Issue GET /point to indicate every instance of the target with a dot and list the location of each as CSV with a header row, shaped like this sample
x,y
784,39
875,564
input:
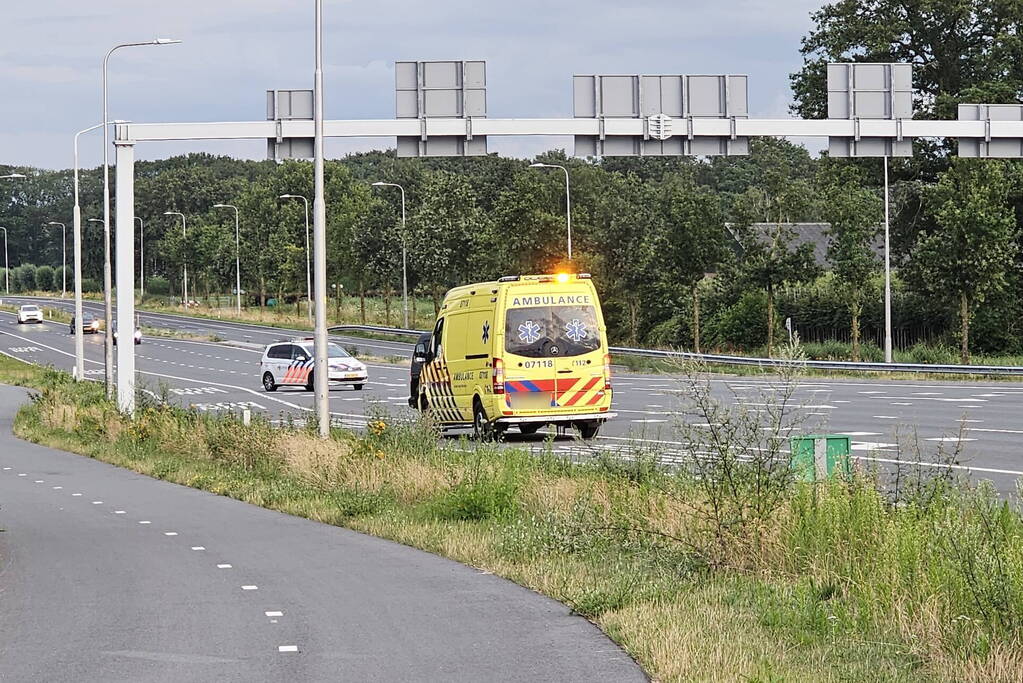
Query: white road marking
x,y
22,474
223,566
97,502
871,392
927,393
6,468
885,417
999,431
118,512
902,404
145,521
76,494
870,446
837,401
946,439
287,648
940,465
274,614
198,547
170,533
39,481
57,488
963,419
250,588
859,433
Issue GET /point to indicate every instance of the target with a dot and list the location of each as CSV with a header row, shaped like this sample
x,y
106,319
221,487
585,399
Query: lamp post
x,y
63,257
142,258
107,275
308,266
568,201
7,265
237,253
404,251
184,261
887,275
76,238
7,268
320,383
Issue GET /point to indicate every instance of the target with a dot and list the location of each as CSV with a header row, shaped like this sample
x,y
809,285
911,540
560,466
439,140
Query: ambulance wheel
x,y
482,428
528,428
268,382
588,430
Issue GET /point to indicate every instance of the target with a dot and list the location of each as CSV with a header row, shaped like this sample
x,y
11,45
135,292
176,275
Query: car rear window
x,y
551,331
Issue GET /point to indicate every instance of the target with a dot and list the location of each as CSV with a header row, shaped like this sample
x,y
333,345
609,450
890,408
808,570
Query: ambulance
x,y
525,351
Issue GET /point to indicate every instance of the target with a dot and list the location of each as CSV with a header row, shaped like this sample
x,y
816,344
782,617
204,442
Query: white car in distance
x,y
291,364
29,313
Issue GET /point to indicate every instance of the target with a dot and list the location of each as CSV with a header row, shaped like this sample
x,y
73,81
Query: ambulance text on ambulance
x,y
578,300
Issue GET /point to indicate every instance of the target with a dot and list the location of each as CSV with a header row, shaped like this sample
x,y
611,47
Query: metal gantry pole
x,y
887,274
126,276
237,253
107,276
320,378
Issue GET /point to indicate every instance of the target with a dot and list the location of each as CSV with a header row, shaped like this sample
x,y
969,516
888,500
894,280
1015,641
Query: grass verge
x,y
837,583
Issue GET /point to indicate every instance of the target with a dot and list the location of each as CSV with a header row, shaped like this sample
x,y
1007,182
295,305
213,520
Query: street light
x,y
107,275
63,257
76,238
404,250
184,262
568,201
237,252
142,258
308,266
7,266
320,378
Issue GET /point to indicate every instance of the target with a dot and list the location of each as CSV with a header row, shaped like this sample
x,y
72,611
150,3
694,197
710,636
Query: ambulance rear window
x,y
551,331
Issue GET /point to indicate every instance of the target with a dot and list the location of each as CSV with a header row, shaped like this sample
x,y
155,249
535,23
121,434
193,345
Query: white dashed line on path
x,y
198,547
97,502
39,481
859,433
287,648
170,533
145,521
250,588
274,614
947,439
118,512
885,417
76,494
57,488
223,566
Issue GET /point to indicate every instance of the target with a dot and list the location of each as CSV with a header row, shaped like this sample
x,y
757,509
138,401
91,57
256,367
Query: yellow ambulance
x,y
524,351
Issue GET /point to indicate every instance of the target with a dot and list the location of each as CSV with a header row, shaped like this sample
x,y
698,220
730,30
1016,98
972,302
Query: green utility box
x,y
816,457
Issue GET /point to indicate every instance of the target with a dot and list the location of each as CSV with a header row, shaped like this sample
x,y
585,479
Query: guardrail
x,y
720,359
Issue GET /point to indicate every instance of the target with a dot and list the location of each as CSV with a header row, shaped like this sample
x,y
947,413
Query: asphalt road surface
x,y
219,377
106,575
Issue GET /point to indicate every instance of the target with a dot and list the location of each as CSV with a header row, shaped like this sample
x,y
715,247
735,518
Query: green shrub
x,y
157,286
44,279
25,277
91,285
742,325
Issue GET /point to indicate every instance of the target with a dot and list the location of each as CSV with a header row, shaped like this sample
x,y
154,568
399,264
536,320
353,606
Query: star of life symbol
x,y
529,332
576,330
486,331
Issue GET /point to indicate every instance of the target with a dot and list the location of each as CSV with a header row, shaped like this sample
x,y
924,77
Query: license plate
x,y
352,375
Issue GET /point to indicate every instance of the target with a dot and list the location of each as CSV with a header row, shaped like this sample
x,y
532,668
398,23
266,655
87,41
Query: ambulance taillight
x,y
607,371
498,376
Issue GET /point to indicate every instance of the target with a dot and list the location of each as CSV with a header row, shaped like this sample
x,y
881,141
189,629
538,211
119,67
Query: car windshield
x,y
333,351
30,309
551,331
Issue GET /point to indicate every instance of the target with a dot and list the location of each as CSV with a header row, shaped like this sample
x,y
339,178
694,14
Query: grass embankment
x,y
833,583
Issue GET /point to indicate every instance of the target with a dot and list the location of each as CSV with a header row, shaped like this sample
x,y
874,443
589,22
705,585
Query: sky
x,y
51,52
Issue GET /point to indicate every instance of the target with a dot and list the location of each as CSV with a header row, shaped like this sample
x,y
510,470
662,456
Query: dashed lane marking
x,y
274,614
948,439
57,488
145,521
250,588
859,433
118,512
223,566
97,502
287,648
170,533
198,547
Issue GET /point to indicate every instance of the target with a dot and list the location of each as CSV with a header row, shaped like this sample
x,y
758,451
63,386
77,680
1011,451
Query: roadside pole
x,y
320,378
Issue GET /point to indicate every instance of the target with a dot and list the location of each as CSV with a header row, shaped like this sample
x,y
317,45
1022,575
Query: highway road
x,y
218,376
106,575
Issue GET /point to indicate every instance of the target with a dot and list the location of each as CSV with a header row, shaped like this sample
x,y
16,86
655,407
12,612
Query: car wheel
x,y
529,427
309,385
588,430
357,387
268,382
